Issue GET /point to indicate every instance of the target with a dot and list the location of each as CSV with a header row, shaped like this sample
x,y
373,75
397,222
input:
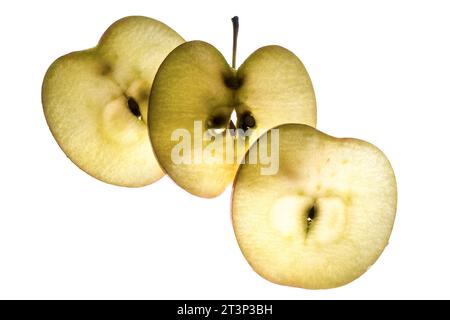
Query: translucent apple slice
x,y
323,218
95,101
196,86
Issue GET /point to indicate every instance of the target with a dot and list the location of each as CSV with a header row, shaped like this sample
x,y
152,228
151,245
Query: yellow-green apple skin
x,y
87,97
195,83
324,218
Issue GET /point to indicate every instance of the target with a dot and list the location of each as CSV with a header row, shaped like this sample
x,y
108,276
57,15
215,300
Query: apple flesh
x,y
196,84
95,101
324,218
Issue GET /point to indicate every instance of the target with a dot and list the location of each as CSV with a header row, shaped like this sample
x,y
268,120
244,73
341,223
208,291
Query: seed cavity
x,y
311,215
233,121
247,121
233,82
133,106
217,121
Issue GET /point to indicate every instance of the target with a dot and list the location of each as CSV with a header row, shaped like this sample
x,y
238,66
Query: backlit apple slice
x,y
196,85
324,218
95,101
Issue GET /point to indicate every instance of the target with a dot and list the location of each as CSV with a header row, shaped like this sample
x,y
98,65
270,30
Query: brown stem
x,y
235,21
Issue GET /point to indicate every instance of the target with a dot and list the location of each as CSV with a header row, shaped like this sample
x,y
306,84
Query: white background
x,y
381,72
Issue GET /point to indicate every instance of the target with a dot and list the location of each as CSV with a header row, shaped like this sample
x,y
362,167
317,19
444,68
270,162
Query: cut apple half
x,y
95,101
324,218
196,85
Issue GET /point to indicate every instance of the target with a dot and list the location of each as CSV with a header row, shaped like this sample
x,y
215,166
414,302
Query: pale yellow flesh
x,y
191,86
353,188
85,94
276,88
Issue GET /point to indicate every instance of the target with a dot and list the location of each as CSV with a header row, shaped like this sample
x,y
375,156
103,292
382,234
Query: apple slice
x,y
95,101
195,84
324,218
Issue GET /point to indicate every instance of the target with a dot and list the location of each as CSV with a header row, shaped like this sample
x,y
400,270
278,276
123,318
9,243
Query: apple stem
x,y
235,21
